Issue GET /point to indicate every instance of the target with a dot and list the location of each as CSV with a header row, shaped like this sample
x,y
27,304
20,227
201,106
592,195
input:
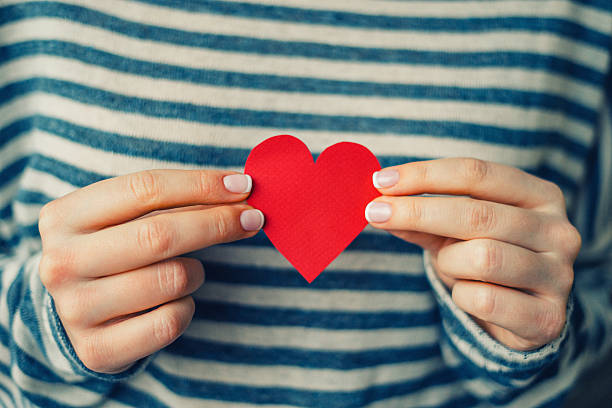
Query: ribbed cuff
x,y
474,344
59,333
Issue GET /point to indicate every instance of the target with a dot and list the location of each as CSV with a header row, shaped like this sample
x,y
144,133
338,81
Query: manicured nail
x,y
378,212
252,220
385,178
238,183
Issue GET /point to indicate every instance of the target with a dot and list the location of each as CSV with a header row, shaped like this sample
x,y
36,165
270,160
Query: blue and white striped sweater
x,y
93,89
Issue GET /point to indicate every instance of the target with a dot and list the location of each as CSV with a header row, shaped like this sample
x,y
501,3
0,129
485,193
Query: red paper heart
x,y
313,210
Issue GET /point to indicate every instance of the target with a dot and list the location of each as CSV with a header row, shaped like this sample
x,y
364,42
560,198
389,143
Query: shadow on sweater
x,y
594,389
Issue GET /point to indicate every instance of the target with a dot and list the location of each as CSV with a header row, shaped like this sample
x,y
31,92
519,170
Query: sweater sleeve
x,y
36,355
37,360
498,374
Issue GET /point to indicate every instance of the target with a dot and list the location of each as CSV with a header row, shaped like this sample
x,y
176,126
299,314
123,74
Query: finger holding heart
x,y
499,238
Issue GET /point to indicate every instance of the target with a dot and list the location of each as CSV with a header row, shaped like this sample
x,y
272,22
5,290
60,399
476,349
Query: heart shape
x,y
313,210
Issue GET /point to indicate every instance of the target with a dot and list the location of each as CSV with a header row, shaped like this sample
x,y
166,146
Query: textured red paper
x,y
313,210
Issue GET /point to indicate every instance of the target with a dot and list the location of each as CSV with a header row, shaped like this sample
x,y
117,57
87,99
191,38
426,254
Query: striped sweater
x,y
91,89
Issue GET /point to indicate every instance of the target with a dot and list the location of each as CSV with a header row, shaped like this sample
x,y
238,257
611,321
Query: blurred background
x,y
594,390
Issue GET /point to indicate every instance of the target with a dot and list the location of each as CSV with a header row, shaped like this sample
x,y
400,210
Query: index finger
x,y
472,177
120,199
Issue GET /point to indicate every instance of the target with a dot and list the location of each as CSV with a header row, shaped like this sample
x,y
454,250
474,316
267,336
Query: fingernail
x,y
251,220
238,183
378,212
385,178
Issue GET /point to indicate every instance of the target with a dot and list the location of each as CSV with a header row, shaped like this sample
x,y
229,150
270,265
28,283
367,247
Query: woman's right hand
x,y
110,257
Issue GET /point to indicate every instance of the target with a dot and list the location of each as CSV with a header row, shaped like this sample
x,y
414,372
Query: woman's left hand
x,y
506,251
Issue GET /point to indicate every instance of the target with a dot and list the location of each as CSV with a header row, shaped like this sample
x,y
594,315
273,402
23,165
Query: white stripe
x,y
147,384
5,355
512,117
508,40
55,361
595,18
45,183
114,43
319,379
10,271
432,396
15,394
62,393
347,261
307,338
26,214
319,300
247,137
7,193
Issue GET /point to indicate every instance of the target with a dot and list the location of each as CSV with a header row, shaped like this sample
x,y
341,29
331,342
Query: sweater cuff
x,y
483,352
65,346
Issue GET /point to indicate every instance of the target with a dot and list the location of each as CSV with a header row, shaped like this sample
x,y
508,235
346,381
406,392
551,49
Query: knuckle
x,y
484,302
475,170
488,259
144,186
421,173
555,193
568,238
54,268
204,184
414,212
72,309
480,217
48,218
173,277
155,235
94,352
551,323
566,279
168,326
222,223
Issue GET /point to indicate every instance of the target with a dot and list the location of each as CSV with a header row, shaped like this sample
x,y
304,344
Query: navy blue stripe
x,y
601,4
6,370
273,356
212,155
547,172
73,175
9,395
30,319
6,212
199,155
297,397
290,278
134,397
10,132
42,401
299,84
185,153
32,197
288,120
277,316
13,297
537,24
5,337
35,369
305,49
28,231
12,170
123,393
